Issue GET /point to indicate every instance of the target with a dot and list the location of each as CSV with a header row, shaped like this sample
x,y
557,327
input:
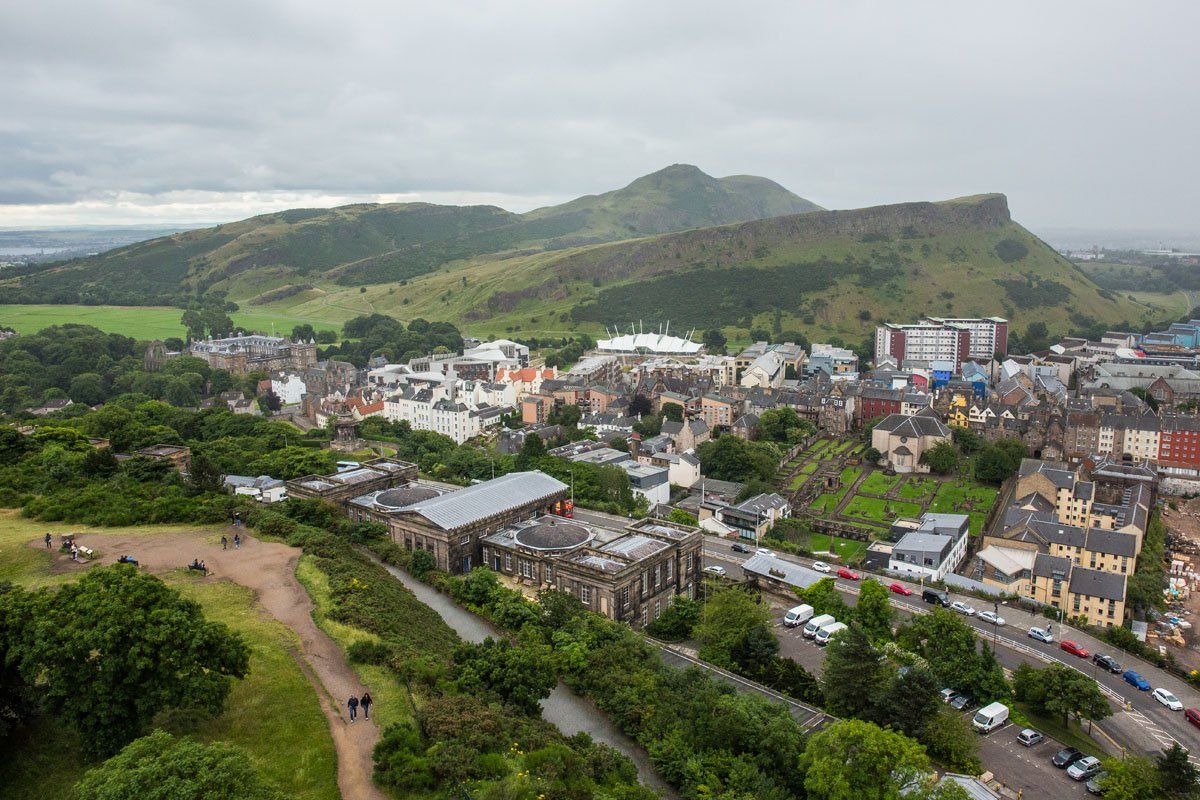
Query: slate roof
x,y
483,500
1045,566
919,425
1095,583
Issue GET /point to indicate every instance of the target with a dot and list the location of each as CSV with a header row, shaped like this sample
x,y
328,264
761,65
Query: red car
x,y
1074,649
1193,716
900,588
848,574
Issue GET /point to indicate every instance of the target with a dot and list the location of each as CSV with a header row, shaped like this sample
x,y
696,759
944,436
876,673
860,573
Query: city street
x,y
1148,725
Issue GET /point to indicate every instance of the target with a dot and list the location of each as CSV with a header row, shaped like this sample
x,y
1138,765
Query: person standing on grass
x,y
47,541
352,704
224,542
365,702
237,541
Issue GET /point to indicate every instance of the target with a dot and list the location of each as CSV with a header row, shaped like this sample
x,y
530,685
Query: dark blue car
x,y
1134,679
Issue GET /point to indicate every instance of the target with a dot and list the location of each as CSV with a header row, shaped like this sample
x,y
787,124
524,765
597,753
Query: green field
x,y
845,549
273,713
884,511
149,322
879,483
918,488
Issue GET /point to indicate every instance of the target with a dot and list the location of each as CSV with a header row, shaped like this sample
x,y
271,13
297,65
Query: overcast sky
x,y
1085,114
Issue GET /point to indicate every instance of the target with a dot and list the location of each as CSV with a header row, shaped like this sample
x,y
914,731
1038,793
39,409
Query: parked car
x,y
848,574
936,598
714,569
1167,699
1041,634
1066,757
962,702
962,608
901,589
762,551
1074,648
1084,768
1107,663
1192,715
1096,784
992,617
738,547
821,566
1029,737
948,694
1135,679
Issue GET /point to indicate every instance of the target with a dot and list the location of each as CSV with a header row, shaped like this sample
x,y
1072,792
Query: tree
x,y
824,597
87,388
997,462
966,440
1176,775
113,649
873,612
784,425
533,449
1072,695
202,472
856,675
303,332
326,337
1130,778
270,402
856,760
950,648
671,411
714,341
732,459
640,404
194,323
727,618
676,622
162,767
910,702
942,458
949,738
519,675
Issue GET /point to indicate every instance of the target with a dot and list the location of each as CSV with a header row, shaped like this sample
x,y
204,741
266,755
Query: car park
x,y
962,608
1192,715
848,574
1096,784
1167,699
1074,648
1029,737
1135,679
901,589
1041,634
1107,663
714,569
962,702
1066,757
738,547
821,566
1084,768
992,617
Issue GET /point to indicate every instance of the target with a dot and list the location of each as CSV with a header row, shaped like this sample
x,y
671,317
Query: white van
x,y
816,623
990,717
829,631
798,616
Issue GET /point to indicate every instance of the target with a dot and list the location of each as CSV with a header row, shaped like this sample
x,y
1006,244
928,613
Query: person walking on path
x,y
224,542
47,540
352,704
365,702
237,541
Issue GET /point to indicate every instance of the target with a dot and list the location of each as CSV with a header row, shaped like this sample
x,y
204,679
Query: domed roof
x,y
553,535
404,496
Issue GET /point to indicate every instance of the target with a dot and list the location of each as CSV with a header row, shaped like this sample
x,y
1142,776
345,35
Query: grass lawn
x,y
144,322
879,483
918,488
884,511
826,502
797,481
849,476
818,447
952,497
845,549
810,468
273,713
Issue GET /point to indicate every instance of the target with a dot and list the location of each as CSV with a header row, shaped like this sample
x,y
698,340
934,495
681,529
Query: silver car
x,y
992,617
1083,769
962,608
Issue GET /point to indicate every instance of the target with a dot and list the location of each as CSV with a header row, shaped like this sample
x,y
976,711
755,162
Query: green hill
x,y
281,254
827,273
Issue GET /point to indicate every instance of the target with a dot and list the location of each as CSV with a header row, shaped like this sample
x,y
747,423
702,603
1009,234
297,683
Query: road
x,y
1147,725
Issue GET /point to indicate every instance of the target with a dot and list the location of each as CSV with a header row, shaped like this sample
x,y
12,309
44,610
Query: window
x,y
585,595
1075,605
657,606
645,616
508,561
669,566
526,569
625,597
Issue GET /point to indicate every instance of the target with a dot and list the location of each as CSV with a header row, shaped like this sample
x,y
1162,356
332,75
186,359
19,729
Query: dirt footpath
x,y
269,570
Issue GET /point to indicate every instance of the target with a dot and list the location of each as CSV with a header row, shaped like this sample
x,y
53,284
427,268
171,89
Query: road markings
x,y
1158,734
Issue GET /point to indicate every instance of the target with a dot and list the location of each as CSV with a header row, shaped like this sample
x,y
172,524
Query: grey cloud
x,y
1082,112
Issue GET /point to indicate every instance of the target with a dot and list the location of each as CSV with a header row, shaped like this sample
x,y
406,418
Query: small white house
x,y
288,388
933,548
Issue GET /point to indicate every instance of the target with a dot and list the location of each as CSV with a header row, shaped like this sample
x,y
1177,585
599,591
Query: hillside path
x,y
269,570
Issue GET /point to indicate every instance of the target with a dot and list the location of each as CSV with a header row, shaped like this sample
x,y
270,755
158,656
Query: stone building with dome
x,y
628,575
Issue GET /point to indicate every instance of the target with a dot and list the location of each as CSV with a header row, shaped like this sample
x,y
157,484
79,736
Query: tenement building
x,y
627,575
239,355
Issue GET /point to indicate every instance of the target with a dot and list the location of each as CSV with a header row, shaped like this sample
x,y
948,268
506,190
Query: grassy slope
x,y
444,295
156,322
273,713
